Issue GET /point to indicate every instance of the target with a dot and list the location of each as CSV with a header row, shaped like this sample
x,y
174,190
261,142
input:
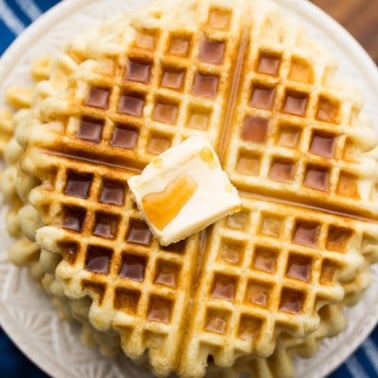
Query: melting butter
x,y
162,207
183,191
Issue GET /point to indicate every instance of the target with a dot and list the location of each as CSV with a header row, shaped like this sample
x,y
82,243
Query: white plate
x,y
26,313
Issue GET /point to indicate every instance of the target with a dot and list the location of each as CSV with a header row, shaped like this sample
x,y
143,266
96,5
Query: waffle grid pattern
x,y
114,189
168,86
110,254
310,125
139,119
243,305
247,252
79,309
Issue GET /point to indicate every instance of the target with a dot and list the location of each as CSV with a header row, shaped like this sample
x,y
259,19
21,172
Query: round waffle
x,y
25,221
289,137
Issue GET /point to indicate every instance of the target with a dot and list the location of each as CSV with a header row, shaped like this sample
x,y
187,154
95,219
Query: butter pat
x,y
183,191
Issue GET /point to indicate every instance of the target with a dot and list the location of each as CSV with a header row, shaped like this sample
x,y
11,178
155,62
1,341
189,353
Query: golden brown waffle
x,y
23,221
148,81
280,364
297,136
42,265
244,258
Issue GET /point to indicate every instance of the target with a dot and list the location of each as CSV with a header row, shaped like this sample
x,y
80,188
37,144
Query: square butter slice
x,y
183,191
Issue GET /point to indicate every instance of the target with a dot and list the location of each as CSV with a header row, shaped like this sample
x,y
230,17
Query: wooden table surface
x,y
359,17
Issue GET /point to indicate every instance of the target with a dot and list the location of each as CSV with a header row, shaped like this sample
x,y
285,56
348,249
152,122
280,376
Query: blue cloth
x,y
15,15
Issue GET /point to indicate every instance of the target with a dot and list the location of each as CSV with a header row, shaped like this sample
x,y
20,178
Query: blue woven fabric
x,y
15,16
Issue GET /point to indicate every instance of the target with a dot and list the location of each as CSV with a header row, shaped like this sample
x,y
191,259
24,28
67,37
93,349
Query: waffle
x,y
24,253
279,364
23,221
126,92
